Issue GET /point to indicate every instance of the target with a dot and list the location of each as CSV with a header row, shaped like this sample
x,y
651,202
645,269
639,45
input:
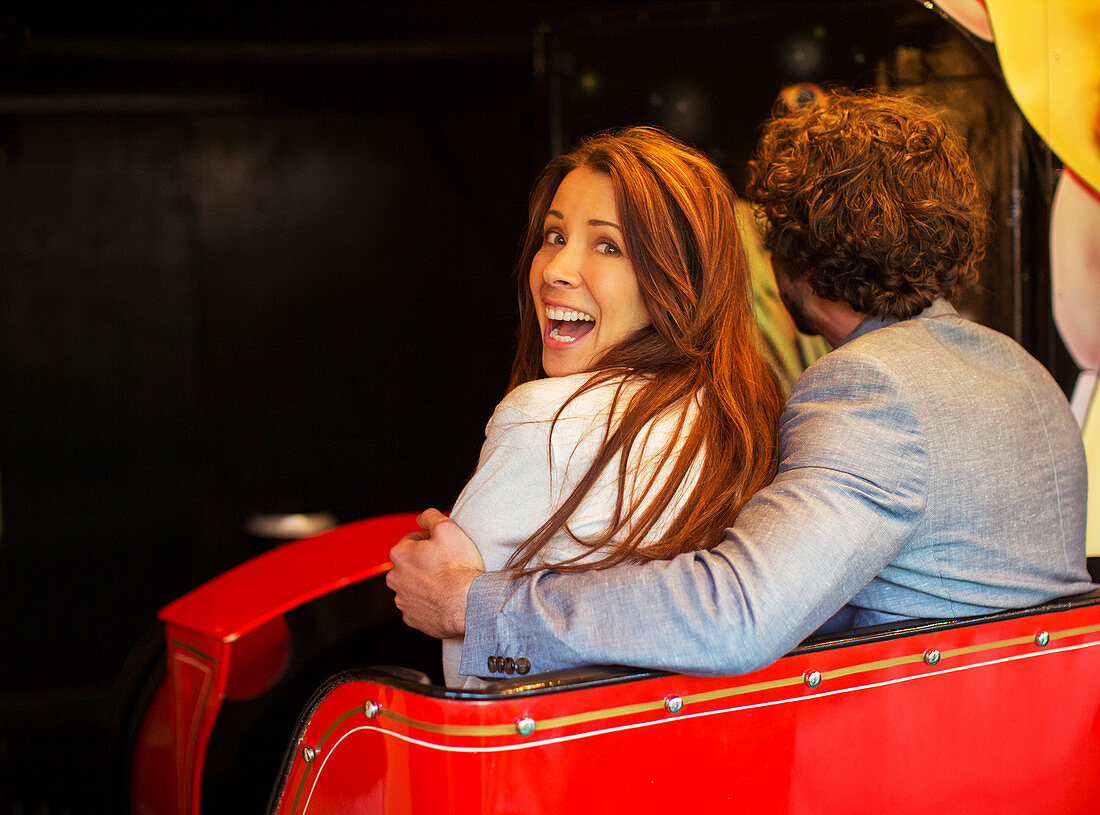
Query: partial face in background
x,y
797,298
584,288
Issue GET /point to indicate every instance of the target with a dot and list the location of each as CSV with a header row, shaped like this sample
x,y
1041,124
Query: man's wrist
x,y
484,602
457,615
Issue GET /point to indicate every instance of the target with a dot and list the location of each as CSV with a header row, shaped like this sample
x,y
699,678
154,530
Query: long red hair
x,y
702,345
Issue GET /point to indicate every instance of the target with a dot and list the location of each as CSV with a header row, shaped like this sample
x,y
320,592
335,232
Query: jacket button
x,y
492,665
523,665
509,666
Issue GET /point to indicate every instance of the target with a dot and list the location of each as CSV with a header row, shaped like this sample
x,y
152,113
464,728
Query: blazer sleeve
x,y
850,490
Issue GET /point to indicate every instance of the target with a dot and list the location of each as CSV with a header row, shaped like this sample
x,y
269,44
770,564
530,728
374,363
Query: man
x,y
929,467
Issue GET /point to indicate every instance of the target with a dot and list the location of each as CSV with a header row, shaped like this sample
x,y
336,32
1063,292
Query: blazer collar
x,y
939,308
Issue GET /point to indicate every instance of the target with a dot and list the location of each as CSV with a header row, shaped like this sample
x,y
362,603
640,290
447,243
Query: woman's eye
x,y
608,248
552,236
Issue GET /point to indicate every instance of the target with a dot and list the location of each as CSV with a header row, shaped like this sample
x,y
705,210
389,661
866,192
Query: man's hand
x,y
431,575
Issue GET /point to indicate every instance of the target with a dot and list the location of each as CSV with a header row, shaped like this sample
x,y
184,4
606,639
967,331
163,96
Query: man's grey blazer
x,y
928,468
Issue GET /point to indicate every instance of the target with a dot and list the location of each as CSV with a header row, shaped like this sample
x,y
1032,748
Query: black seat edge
x,y
892,630
600,675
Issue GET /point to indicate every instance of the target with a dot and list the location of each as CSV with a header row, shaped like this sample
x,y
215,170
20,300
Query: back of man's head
x,y
873,198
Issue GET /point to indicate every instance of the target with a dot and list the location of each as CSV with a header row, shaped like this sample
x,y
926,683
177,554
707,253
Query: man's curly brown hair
x,y
873,198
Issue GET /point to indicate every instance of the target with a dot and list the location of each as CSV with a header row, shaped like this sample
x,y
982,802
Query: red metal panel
x,y
198,667
268,586
228,638
153,774
998,725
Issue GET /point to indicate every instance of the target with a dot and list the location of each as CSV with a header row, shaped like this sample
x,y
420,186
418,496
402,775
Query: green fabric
x,y
789,351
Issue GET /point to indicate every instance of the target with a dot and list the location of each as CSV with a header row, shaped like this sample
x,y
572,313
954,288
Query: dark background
x,y
262,260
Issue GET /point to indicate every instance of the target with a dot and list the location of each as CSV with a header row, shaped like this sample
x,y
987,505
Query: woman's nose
x,y
563,269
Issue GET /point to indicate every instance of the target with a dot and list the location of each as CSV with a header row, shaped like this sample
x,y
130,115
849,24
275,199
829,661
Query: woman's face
x,y
583,284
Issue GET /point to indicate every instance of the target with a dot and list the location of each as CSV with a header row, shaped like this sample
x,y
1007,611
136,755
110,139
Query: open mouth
x,y
568,325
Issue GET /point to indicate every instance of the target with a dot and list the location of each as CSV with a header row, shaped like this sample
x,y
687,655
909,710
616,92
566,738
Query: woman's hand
x,y
431,575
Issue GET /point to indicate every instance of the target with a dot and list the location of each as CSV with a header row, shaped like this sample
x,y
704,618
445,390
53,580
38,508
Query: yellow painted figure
x,y
1049,52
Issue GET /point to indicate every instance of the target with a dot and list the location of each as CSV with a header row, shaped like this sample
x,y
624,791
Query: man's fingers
x,y
429,519
431,575
406,546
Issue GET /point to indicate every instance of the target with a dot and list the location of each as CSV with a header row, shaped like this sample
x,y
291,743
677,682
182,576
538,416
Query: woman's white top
x,y
525,473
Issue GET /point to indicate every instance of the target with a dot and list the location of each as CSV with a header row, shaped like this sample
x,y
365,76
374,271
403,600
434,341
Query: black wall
x,y
279,277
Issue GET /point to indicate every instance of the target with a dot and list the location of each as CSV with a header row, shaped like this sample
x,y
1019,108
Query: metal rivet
x,y
308,754
931,656
812,678
372,708
525,726
1042,639
673,704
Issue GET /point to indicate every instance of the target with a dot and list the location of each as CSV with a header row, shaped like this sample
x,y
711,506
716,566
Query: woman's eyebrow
x,y
597,222
591,221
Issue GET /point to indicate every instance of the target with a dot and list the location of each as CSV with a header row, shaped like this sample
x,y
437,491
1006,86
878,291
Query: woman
x,y
640,415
